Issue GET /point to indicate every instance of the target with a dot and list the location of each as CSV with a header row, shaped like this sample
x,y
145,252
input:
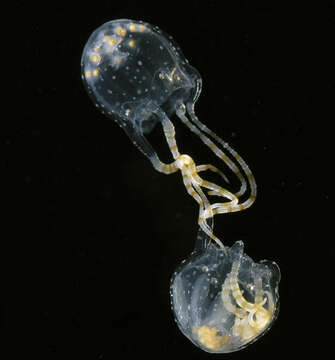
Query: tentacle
x,y
204,214
170,133
205,206
193,182
226,299
223,208
214,169
187,164
225,145
143,144
193,189
217,190
258,290
218,152
165,168
237,294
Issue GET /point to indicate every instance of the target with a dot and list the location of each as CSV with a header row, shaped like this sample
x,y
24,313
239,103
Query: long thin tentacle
x,y
193,182
225,145
214,169
218,152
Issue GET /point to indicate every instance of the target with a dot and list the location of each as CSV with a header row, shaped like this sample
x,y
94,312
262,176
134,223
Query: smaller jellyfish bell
x,y
222,300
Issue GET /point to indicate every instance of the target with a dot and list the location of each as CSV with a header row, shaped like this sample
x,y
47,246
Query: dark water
x,y
91,233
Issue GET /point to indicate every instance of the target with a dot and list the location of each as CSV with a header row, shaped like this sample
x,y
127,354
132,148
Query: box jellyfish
x,y
223,300
138,76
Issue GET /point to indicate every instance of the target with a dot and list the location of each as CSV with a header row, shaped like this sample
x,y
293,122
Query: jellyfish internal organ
x,y
139,77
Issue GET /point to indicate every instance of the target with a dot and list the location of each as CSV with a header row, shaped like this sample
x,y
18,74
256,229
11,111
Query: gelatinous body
x,y
133,71
224,301
138,76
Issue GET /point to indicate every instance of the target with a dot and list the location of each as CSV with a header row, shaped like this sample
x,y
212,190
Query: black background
x,y
92,233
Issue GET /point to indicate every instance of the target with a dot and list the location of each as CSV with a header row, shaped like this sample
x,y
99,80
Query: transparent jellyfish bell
x,y
218,310
133,72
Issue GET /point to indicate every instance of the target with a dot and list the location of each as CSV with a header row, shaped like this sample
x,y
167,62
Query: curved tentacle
x,y
218,152
237,293
214,169
225,145
193,182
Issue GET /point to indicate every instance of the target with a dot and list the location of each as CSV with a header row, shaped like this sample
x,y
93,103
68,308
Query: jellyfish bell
x,y
136,75
224,301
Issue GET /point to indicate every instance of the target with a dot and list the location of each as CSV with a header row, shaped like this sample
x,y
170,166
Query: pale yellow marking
x,y
188,186
229,208
209,337
244,304
95,58
106,38
225,158
234,285
142,28
212,146
174,147
121,31
88,74
168,169
131,43
95,72
97,49
111,42
132,27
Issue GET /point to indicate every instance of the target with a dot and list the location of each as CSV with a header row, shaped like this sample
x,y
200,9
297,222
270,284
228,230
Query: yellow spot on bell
x,y
88,74
132,43
132,27
121,31
95,72
95,58
111,42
